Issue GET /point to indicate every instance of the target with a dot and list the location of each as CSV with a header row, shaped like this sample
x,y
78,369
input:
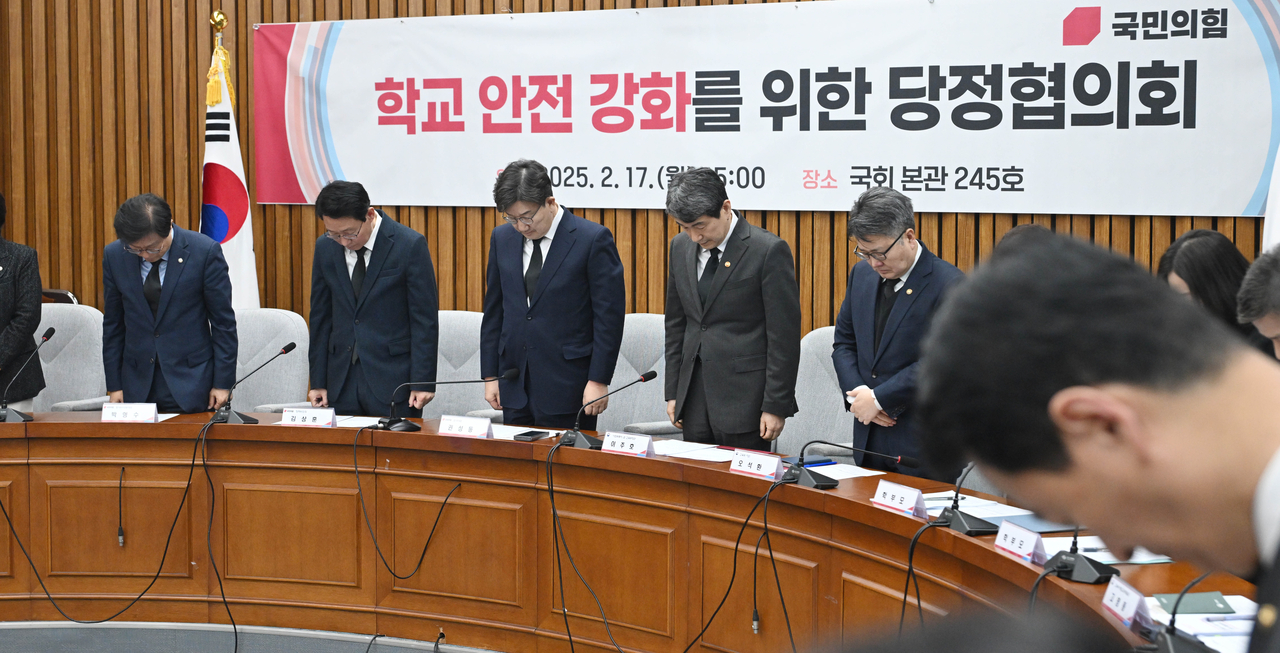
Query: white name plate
x,y
629,444
1021,543
1126,604
141,413
320,417
757,464
466,427
900,499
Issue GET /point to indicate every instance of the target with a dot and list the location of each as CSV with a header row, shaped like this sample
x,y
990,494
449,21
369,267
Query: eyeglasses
x,y
333,235
524,220
140,252
880,256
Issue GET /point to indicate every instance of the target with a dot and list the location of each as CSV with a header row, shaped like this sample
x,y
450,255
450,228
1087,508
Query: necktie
x,y
884,306
535,270
708,274
151,288
357,275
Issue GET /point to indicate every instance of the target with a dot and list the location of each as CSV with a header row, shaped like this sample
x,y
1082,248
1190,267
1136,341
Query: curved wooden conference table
x,y
654,537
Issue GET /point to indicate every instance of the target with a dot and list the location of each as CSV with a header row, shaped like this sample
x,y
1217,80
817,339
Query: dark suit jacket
x,y
193,334
890,370
395,323
570,332
20,314
1264,639
748,335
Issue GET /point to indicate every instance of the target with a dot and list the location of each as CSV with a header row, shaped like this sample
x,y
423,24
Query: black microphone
x,y
1170,640
576,438
804,477
394,423
8,414
962,522
224,414
1071,565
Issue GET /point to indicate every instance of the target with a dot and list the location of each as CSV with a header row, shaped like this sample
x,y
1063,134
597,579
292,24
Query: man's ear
x,y
1097,421
726,210
371,214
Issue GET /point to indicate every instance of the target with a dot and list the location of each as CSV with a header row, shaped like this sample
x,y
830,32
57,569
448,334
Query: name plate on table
x,y
141,413
466,427
1126,604
1021,543
630,444
757,464
309,417
900,499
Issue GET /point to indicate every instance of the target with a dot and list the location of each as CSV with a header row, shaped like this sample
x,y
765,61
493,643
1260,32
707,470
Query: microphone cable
x,y
558,539
733,574
168,540
773,562
355,456
912,577
208,539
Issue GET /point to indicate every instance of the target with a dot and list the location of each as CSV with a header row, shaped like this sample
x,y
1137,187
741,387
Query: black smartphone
x,y
530,436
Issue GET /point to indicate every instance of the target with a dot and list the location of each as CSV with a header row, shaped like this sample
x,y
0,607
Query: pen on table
x,y
1094,549
1229,617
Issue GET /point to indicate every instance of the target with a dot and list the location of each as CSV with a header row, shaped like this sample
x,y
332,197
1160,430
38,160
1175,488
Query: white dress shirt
x,y
545,245
1266,513
352,257
704,254
902,281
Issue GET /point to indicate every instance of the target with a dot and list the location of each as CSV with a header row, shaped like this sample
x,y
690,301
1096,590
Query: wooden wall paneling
x,y
947,240
1201,222
843,261
805,274
824,271
476,245
1162,235
1142,242
1101,230
986,235
657,260
1245,236
15,574
1224,226
1121,234
929,231
966,241
1181,225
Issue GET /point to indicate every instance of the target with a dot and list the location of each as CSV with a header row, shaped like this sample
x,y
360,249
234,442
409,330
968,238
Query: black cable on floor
x,y
185,491
371,640
120,509
1035,587
208,542
773,561
911,573
755,604
556,527
355,456
734,573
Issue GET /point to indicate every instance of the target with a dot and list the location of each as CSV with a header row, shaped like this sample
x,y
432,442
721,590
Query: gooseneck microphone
x,y
224,414
394,423
962,522
576,438
804,477
8,414
1170,640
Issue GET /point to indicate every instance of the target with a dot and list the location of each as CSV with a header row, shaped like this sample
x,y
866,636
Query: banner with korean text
x,y
1166,107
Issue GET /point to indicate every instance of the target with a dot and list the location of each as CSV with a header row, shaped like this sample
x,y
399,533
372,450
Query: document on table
x,y
504,432
710,453
996,512
677,447
1228,633
936,502
356,421
164,416
841,471
1100,553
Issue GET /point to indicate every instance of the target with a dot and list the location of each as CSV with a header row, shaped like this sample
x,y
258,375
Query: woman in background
x,y
19,317
1206,266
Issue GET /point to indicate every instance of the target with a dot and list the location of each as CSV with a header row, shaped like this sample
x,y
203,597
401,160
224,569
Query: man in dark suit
x,y
1258,302
168,329
733,320
553,306
373,309
891,296
20,314
1095,394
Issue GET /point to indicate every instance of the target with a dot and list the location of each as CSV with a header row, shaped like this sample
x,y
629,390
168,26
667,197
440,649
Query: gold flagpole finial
x,y
218,20
221,65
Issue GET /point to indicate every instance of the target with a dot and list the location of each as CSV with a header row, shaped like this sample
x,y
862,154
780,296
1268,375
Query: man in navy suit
x,y
553,307
891,297
374,312
168,329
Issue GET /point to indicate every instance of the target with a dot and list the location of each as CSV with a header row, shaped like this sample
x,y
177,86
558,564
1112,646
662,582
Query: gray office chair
x,y
458,360
641,408
822,415
72,359
261,333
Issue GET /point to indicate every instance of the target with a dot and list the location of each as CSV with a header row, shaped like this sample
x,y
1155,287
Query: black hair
x,y
1017,236
1050,314
1260,290
881,211
343,199
143,215
695,193
523,180
1212,268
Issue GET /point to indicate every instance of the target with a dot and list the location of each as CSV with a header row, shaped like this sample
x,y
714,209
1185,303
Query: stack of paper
x,y
1227,633
1093,547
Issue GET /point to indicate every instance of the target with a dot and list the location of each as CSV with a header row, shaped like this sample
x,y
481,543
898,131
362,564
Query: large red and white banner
x,y
1162,107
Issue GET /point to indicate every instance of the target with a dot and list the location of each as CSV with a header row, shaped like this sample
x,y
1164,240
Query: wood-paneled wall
x,y
103,99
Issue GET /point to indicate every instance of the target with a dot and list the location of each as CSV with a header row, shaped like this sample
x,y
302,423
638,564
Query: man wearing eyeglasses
x,y
733,320
553,306
168,329
373,309
891,297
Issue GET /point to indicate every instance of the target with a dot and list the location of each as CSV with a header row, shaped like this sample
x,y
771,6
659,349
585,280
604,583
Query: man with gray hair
x,y
733,320
890,299
1258,302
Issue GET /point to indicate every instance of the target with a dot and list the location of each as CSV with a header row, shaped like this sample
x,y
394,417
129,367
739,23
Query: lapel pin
x,y
726,264
179,260
908,291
